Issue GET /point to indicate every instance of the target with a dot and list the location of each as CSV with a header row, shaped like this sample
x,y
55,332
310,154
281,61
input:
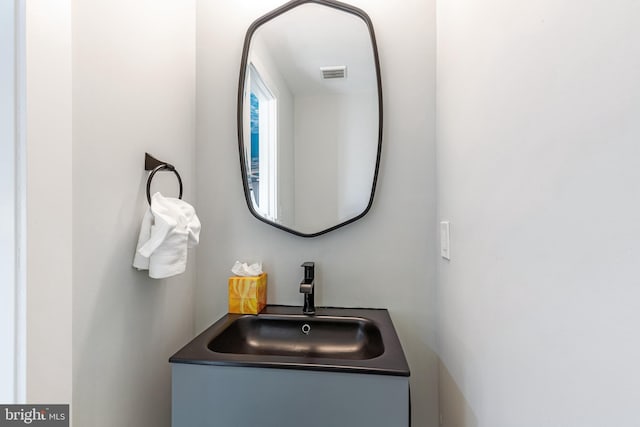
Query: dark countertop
x,y
391,362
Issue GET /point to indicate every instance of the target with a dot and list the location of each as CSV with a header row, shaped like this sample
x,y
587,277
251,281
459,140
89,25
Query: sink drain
x,y
306,329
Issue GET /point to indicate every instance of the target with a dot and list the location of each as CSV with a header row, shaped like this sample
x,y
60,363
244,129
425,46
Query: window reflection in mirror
x,y
263,167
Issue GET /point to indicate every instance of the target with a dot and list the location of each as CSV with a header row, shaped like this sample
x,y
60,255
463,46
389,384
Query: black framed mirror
x,y
310,116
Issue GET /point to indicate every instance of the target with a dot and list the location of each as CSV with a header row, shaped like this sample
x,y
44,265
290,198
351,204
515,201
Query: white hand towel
x,y
142,262
165,237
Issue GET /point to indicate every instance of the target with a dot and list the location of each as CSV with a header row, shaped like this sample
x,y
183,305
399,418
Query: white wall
x,y
383,260
7,200
356,159
350,143
48,201
133,91
316,200
538,173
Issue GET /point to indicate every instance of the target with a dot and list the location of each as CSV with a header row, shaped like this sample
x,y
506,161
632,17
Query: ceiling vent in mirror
x,y
335,72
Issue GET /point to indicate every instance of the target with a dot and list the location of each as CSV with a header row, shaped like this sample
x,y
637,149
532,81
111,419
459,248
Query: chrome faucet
x,y
306,288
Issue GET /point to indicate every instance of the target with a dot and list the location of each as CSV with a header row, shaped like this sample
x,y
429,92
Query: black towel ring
x,y
155,165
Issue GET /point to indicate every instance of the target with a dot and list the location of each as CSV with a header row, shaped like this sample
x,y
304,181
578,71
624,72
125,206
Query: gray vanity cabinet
x,y
238,396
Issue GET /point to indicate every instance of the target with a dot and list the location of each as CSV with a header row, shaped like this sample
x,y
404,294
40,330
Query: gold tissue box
x,y
247,294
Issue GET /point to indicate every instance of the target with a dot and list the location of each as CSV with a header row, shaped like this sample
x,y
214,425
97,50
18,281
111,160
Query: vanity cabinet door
x,y
224,396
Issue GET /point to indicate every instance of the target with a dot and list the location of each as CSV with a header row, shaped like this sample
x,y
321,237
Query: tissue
x,y
247,289
244,269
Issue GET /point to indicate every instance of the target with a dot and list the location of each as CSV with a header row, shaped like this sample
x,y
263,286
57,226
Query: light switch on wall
x,y
444,240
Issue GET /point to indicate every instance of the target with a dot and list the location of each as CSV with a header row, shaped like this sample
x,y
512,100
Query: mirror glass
x,y
309,116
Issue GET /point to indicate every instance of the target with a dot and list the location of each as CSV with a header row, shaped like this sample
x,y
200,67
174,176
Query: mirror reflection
x,y
309,116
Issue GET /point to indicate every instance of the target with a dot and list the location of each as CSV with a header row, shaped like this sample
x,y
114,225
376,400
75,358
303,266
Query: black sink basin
x,y
353,338
334,339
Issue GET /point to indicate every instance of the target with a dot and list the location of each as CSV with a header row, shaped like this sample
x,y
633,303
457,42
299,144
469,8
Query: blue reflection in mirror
x,y
254,166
